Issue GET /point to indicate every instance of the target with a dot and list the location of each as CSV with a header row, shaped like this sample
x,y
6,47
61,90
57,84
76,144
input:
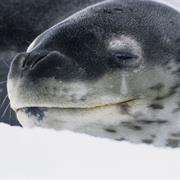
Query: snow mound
x,y
48,153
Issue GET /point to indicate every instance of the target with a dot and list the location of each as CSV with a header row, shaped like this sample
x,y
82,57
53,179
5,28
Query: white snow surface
x,y
41,153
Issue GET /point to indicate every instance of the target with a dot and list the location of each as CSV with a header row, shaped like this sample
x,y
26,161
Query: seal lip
x,y
80,108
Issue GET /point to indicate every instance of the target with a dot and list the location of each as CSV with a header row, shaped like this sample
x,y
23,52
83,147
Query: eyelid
x,y
125,54
124,59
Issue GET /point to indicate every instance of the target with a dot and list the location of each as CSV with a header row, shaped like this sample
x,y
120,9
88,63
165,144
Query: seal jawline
x,y
80,108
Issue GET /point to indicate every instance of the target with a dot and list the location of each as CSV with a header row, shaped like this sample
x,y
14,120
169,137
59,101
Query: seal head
x,y
110,70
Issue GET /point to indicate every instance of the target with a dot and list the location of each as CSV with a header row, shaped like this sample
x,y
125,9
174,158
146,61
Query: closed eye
x,y
124,59
125,56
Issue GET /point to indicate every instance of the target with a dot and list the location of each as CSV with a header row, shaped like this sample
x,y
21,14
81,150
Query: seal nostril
x,y
36,61
22,57
30,60
23,62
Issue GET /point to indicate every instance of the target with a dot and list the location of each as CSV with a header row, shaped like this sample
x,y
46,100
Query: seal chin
x,y
69,118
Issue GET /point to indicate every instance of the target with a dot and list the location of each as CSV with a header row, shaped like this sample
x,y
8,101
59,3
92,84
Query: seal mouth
x,y
79,108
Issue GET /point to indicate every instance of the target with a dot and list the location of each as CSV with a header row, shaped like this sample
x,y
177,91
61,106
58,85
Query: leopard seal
x,y
109,70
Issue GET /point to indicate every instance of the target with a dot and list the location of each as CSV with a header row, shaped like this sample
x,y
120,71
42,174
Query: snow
x,y
48,153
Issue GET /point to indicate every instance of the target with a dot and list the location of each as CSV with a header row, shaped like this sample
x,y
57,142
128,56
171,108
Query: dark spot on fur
x,y
130,125
175,87
107,11
153,136
157,87
118,9
176,110
176,71
36,111
146,122
83,99
176,134
161,121
138,128
169,94
126,123
178,40
166,63
73,98
169,68
156,106
125,108
110,130
134,127
131,9
172,23
147,141
172,143
121,139
64,89
114,10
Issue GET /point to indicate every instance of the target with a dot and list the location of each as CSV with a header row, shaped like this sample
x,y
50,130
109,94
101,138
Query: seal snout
x,y
29,61
41,64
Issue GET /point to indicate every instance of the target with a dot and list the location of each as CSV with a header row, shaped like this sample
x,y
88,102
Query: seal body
x,y
110,70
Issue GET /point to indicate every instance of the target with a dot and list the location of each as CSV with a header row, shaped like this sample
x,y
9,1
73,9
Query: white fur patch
x,y
124,86
125,42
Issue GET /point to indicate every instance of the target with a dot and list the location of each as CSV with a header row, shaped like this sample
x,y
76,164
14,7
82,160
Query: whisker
x,y
29,42
4,100
10,113
4,113
3,82
7,65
